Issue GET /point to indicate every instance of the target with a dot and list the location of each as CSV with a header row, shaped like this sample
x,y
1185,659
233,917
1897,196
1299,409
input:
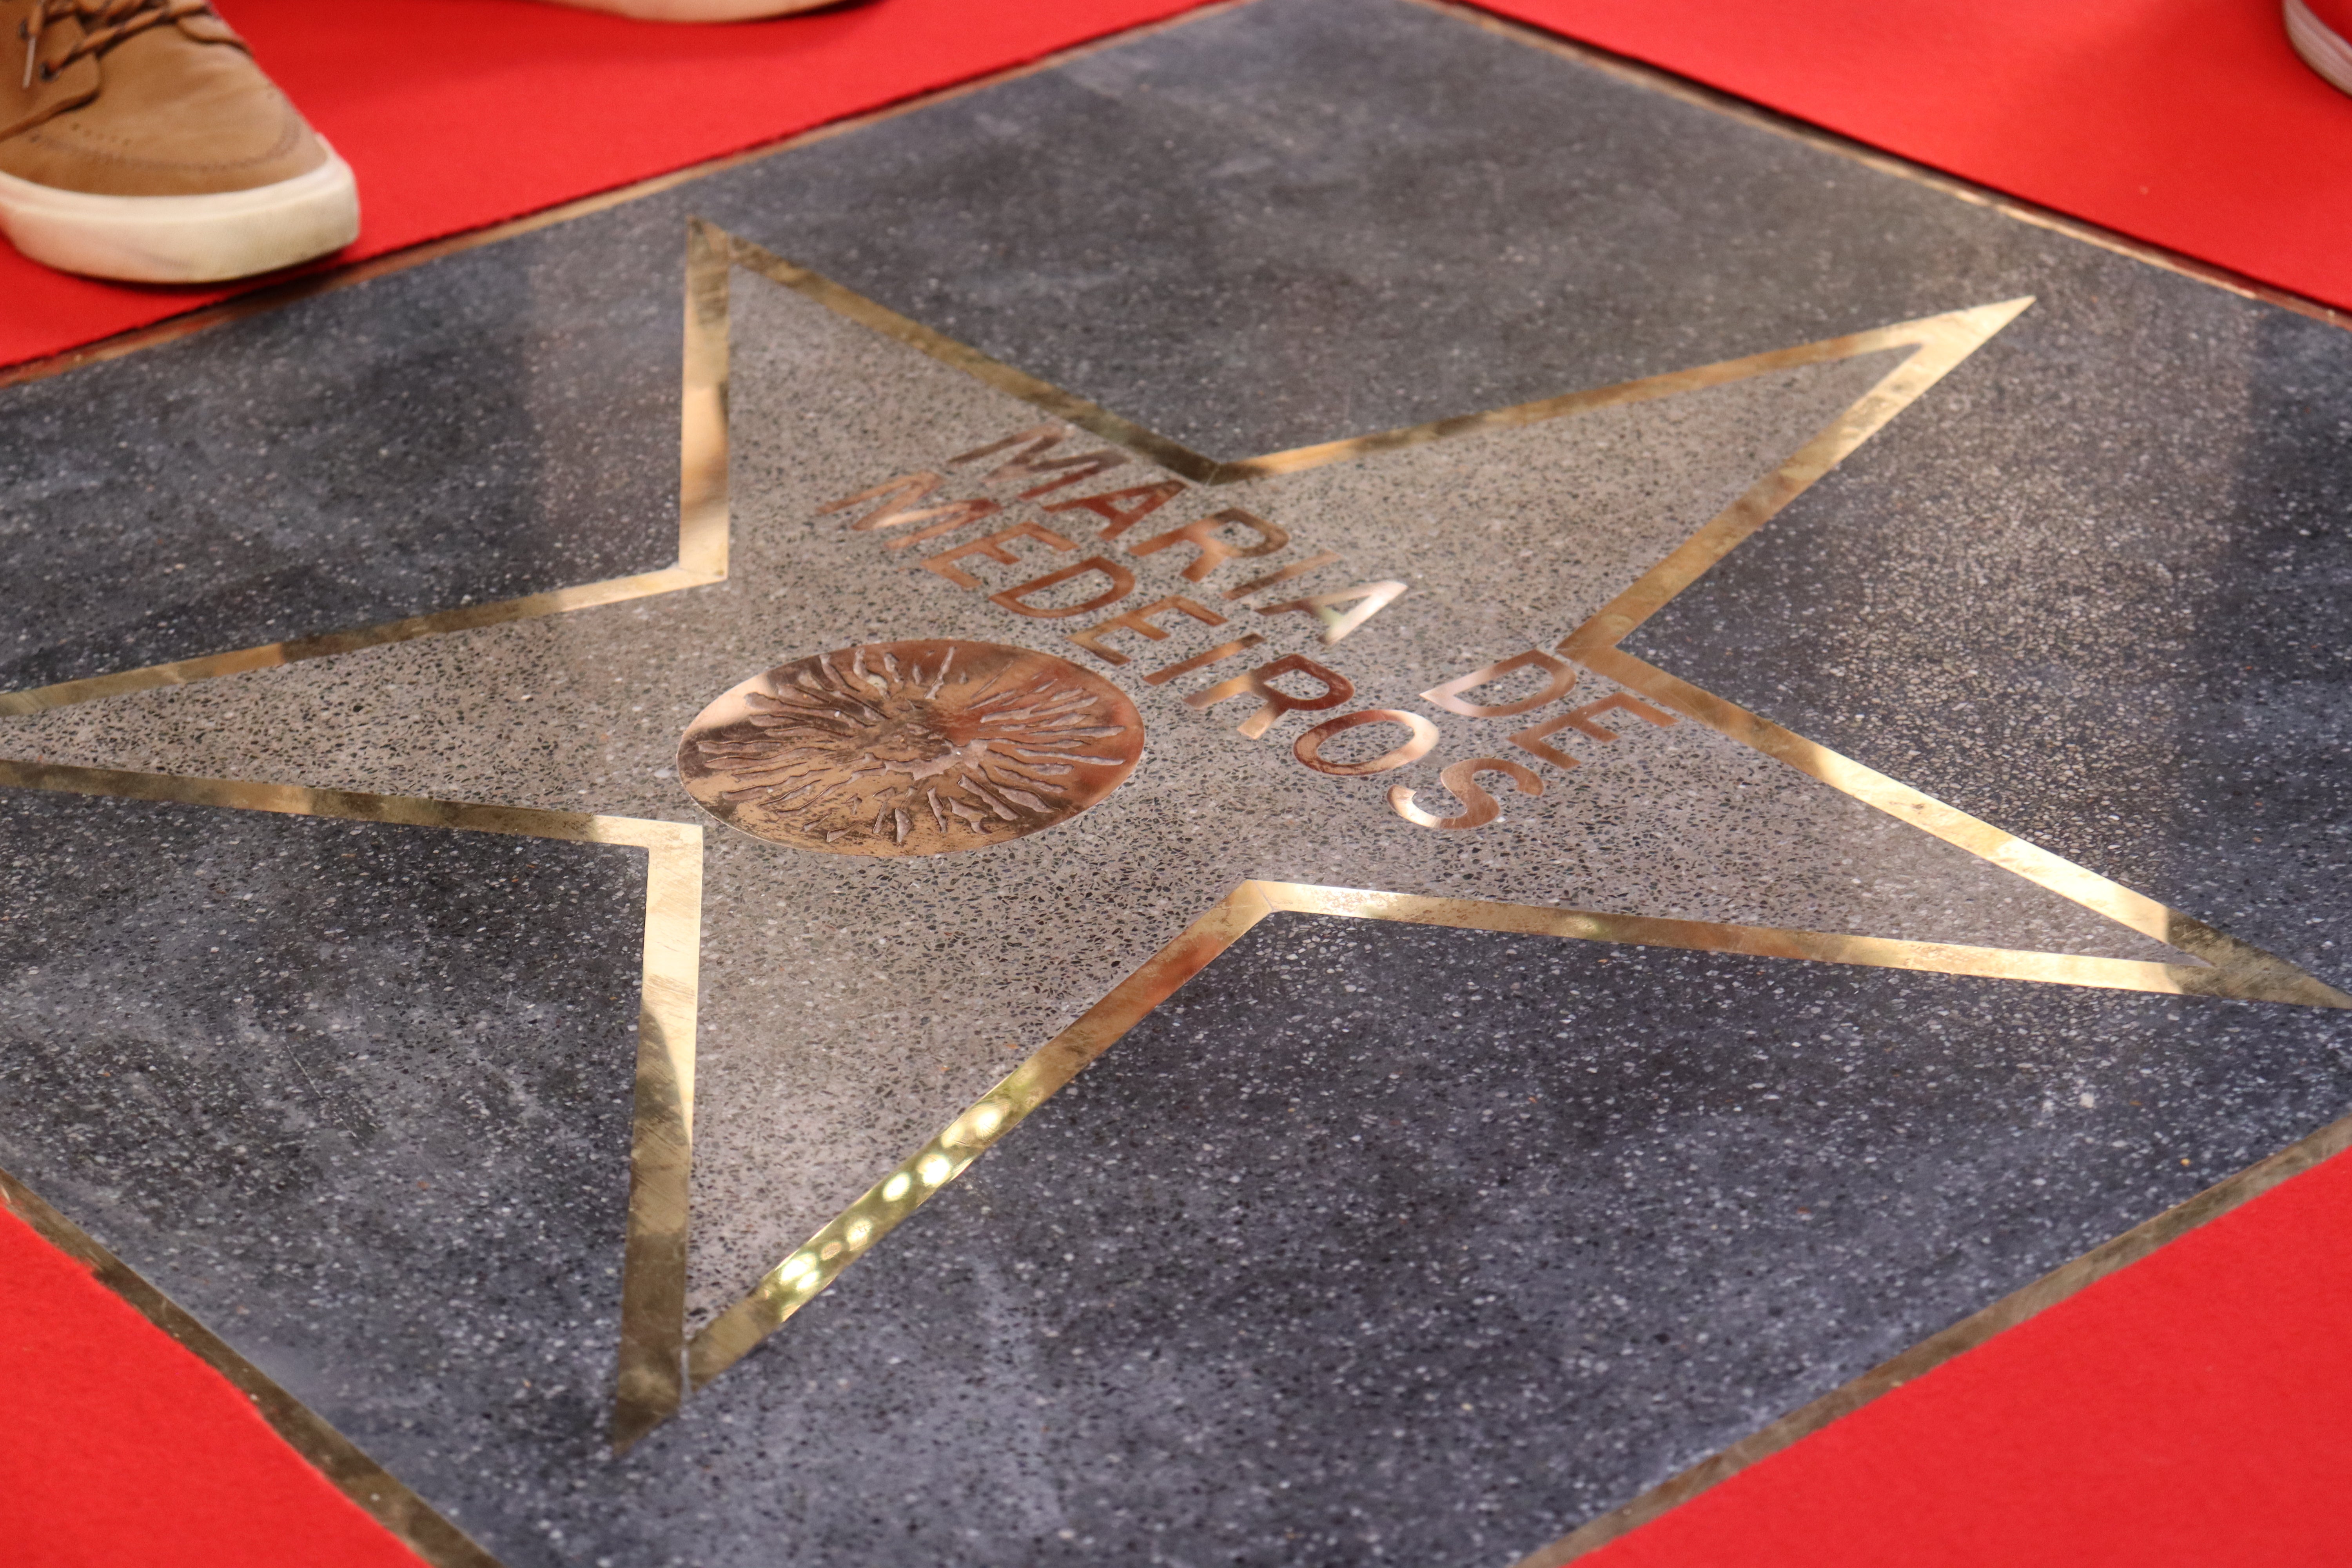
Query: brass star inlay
x,y
1236,687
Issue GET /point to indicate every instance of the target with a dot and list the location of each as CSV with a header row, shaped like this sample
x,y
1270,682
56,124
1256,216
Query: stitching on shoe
x,y
85,144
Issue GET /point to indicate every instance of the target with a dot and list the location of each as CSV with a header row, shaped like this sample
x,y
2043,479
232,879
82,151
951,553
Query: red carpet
x,y
2187,1412
458,113
117,1446
2187,123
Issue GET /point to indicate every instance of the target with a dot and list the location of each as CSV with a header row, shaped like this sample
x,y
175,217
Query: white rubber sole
x,y
185,239
2321,49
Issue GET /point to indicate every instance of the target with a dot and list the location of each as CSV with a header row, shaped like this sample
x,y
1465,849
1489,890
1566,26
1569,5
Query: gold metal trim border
x,y
2232,968
649,1382
2239,969
817,1262
1943,342
345,1465
701,536
1938,344
1686,89
2066,1280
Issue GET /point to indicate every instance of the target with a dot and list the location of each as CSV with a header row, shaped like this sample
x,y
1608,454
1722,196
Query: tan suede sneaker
x,y
138,140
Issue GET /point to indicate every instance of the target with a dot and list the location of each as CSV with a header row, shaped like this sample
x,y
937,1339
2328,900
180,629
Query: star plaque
x,y
973,719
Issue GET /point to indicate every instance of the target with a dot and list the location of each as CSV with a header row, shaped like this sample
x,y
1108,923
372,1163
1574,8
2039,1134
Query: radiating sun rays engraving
x,y
911,748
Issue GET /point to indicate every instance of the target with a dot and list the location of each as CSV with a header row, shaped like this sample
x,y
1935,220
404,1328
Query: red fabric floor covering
x,y
117,1446
459,113
2184,1413
2190,124
2187,1412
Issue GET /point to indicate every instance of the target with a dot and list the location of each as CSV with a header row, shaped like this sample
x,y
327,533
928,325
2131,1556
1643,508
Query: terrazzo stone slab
x,y
2118,629
853,1005
356,1095
500,423
1293,222
1298,220
1376,1244
1391,1245
1290,222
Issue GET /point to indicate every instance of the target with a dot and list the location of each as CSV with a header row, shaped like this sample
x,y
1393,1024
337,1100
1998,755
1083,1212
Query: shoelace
x,y
104,23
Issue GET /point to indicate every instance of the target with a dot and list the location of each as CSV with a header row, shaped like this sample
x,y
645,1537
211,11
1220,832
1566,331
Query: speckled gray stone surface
x,y
853,1006
1300,220
356,1095
500,423
2118,630
1388,1244
1303,219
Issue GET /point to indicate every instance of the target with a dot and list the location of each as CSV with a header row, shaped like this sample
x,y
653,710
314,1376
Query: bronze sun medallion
x,y
911,748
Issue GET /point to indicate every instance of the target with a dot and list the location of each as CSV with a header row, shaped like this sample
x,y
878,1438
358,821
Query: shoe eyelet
x,y
48,71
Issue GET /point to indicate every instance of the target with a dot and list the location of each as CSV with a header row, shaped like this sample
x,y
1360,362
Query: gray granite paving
x,y
356,1095
2082,588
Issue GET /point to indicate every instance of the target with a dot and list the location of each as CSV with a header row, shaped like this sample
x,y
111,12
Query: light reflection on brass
x,y
896,509
1016,599
911,748
1560,674
1214,550
661,1135
653,1272
1370,599
1420,739
702,437
992,546
344,1463
1479,808
1531,739
1761,941
1030,463
1585,720
1273,702
1122,510
817,1262
1217,655
1140,622
1296,569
